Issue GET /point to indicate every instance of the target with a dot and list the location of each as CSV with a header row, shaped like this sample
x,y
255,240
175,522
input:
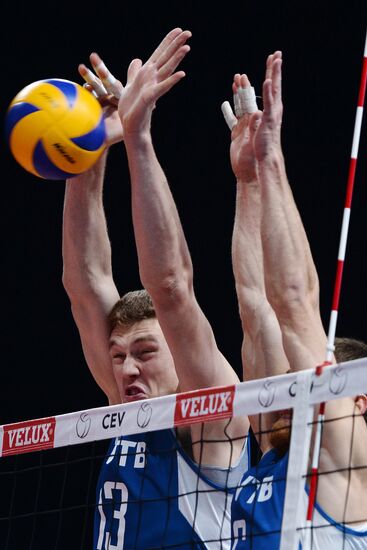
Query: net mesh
x,y
153,495
48,498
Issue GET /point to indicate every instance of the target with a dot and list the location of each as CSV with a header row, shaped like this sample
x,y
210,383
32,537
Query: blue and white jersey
x,y
150,494
258,504
257,510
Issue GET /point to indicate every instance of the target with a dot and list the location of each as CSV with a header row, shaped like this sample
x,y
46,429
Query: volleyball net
x,y
49,470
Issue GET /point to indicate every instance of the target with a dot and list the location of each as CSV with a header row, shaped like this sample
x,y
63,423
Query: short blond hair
x,y
133,307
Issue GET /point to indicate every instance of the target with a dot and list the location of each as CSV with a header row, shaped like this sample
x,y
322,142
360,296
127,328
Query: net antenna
x,y
290,542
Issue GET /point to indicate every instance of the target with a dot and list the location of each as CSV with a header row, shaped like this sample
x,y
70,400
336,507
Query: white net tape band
x,y
246,398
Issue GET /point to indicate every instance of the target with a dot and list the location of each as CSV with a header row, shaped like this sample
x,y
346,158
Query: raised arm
x,y
87,274
262,348
290,274
164,259
292,287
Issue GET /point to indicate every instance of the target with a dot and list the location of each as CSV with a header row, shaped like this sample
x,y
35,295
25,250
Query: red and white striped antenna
x,y
337,288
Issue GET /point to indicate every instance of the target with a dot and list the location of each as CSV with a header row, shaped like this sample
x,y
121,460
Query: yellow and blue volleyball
x,y
55,129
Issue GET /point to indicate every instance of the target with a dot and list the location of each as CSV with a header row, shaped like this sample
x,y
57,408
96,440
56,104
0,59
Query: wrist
x,y
141,139
248,191
272,168
269,153
247,180
95,171
273,158
136,129
247,174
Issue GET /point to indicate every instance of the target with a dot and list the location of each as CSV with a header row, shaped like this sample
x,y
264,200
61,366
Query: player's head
x,y
132,308
142,363
346,349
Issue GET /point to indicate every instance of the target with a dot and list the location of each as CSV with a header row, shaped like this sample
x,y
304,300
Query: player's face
x,y
281,431
142,363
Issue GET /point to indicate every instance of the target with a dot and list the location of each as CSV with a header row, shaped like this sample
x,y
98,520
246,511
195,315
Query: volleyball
x,y
55,129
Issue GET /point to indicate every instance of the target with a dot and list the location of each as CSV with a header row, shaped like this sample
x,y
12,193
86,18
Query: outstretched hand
x,y
243,131
147,83
268,135
128,109
255,134
108,90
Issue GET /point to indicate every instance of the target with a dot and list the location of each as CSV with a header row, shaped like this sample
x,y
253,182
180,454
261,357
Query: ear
x,y
361,402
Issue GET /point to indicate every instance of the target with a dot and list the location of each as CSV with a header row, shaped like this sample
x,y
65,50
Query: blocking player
x,y
152,342
278,292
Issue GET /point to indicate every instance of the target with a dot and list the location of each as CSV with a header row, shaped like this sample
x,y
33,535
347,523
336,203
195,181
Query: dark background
x,y
43,370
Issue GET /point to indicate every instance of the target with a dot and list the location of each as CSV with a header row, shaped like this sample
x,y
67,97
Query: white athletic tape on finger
x,y
247,99
96,84
109,81
237,105
229,117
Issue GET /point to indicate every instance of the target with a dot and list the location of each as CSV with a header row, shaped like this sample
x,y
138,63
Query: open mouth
x,y
134,393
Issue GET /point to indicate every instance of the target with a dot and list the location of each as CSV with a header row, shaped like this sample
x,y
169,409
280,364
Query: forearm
x,y
262,349
262,352
86,247
290,272
290,276
247,258
164,259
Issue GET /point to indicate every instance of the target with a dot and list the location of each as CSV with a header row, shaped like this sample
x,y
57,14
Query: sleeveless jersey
x,y
257,509
150,494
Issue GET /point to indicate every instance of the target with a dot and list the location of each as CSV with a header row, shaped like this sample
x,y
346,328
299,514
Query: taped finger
x,y
247,100
237,105
111,83
93,81
229,117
